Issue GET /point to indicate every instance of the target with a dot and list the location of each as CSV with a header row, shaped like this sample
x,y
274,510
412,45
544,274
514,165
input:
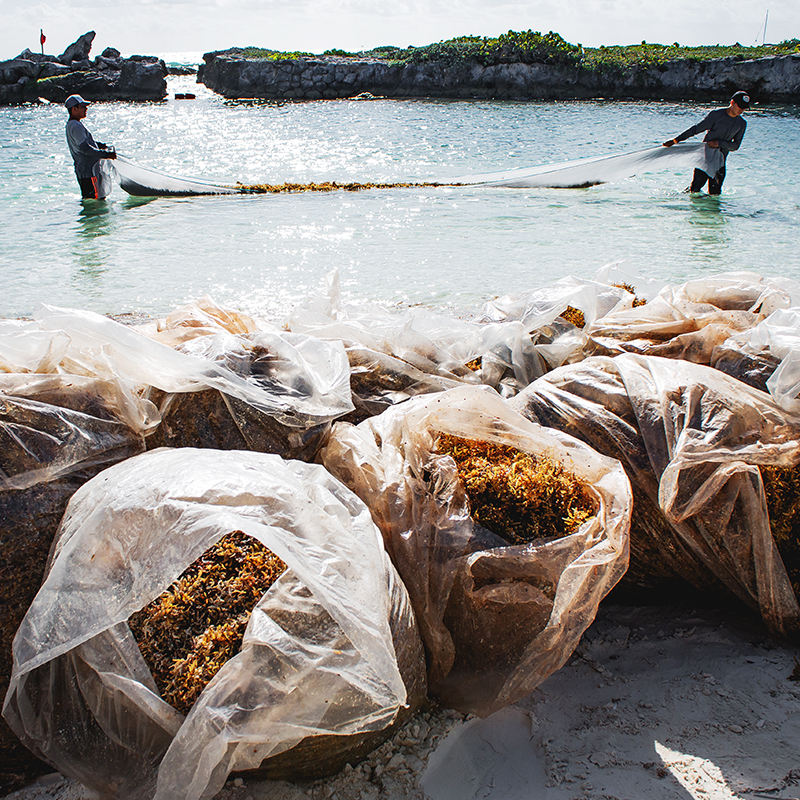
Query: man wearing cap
x,y
86,153
725,128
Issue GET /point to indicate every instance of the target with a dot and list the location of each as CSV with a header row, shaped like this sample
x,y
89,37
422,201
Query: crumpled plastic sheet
x,y
202,318
516,338
602,169
500,637
691,439
81,695
767,356
690,320
307,383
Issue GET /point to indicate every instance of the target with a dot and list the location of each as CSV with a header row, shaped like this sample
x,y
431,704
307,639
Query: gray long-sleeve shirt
x,y
722,127
84,149
727,130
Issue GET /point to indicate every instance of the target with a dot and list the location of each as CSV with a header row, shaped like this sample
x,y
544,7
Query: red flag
x,y
42,37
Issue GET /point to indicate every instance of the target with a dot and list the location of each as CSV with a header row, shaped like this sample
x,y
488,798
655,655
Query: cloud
x,y
154,26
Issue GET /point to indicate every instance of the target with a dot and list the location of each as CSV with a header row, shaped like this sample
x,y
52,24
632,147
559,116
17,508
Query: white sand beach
x,y
657,703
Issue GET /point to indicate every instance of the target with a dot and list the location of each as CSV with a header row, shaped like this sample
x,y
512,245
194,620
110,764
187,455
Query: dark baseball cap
x,y
742,99
75,100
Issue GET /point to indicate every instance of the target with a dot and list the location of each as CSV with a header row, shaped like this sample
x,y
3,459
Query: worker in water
x,y
726,129
86,153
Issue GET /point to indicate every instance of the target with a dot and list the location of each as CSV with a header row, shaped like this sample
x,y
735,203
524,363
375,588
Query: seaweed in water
x,y
191,630
518,496
329,186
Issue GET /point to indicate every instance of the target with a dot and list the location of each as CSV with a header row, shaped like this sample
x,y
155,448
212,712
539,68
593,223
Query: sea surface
x,y
442,248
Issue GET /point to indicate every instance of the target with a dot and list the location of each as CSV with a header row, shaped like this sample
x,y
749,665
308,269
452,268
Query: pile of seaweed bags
x,y
251,549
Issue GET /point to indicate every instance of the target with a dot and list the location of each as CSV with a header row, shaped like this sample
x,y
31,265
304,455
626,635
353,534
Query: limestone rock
x,y
79,50
229,73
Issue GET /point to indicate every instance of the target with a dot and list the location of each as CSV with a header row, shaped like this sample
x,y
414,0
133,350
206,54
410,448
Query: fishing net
x,y
142,181
600,169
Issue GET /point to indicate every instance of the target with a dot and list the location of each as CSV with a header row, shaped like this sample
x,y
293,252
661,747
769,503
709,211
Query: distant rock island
x,y
235,74
31,76
524,65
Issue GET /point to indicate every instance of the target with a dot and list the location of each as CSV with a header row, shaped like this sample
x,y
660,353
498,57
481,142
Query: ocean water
x,y
445,248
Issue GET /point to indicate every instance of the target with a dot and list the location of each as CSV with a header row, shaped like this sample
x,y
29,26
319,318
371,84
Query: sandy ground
x,y
658,703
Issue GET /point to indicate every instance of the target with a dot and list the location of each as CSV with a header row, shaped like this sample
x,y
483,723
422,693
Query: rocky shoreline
x,y
31,77
774,79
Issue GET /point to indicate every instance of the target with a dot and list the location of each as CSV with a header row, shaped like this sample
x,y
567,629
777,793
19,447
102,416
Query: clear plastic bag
x,y
400,354
491,635
81,695
203,318
689,320
103,173
306,383
692,440
56,432
767,357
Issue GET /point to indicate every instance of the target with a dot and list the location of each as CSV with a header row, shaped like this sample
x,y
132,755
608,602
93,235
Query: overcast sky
x,y
163,26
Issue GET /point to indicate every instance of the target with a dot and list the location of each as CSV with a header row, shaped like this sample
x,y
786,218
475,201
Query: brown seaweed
x,y
330,186
64,431
212,419
574,316
637,301
516,495
190,631
782,488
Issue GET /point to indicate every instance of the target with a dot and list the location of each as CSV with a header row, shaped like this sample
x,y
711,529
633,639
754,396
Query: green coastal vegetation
x,y
533,47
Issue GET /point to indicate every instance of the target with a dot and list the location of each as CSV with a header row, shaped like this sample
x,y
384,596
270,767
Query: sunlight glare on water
x,y
439,247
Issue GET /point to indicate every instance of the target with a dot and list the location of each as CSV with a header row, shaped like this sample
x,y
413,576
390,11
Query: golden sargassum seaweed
x,y
574,315
518,496
782,488
191,630
637,301
329,186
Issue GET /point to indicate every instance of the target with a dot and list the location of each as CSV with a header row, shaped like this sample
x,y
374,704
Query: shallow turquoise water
x,y
437,247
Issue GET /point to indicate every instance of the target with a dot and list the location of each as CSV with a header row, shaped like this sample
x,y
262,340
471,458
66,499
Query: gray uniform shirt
x,y
84,149
727,130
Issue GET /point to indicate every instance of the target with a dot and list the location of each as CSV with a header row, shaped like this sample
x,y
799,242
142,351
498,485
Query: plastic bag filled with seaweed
x,y
539,307
755,355
297,380
210,612
689,320
506,535
397,354
295,369
699,448
202,318
56,432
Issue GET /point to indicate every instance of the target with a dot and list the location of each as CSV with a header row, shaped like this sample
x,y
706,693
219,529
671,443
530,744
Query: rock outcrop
x,y
773,79
31,76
